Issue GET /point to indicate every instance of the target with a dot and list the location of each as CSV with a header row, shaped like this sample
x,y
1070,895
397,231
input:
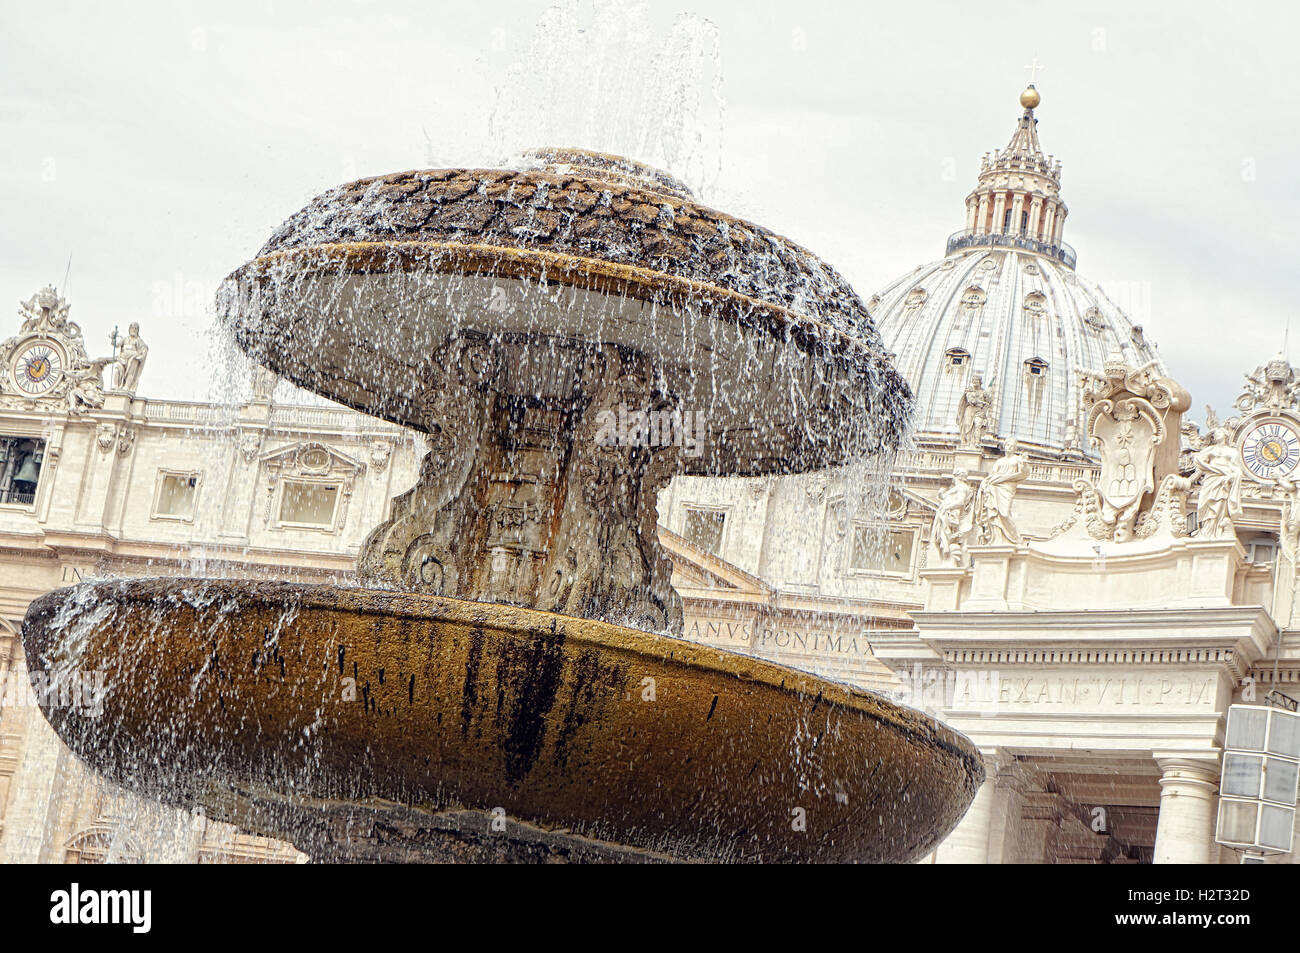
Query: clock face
x,y
37,368
1270,449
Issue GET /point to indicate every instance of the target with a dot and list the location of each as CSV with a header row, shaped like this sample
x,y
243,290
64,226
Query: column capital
x,y
1192,768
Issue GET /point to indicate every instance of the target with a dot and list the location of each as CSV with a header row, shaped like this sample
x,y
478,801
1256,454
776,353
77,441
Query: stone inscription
x,y
1083,692
775,638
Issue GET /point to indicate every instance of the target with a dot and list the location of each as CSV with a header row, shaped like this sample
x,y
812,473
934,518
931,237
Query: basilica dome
x,y
1005,312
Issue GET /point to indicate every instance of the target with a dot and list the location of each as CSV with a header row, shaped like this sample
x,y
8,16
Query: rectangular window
x,y
308,504
883,551
1261,551
703,528
20,469
177,494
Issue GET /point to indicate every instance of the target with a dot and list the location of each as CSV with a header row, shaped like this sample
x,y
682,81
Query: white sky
x,y
160,144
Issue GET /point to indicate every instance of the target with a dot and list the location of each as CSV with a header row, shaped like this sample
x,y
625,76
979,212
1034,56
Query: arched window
x,y
956,358
1035,304
915,299
973,298
92,846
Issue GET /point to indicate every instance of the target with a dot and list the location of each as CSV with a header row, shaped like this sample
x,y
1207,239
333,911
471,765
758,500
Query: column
x,y
7,641
1189,795
1060,226
999,207
1006,830
1035,219
982,216
1049,222
970,214
1017,213
969,841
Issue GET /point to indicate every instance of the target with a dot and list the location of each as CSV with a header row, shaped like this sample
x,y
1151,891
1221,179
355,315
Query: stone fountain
x,y
569,333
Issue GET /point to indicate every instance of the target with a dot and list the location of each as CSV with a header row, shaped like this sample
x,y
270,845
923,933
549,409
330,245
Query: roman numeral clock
x,y
1270,448
37,367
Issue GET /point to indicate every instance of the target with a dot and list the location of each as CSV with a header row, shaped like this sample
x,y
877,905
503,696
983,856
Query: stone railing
x,y
941,461
969,238
334,419
186,412
285,417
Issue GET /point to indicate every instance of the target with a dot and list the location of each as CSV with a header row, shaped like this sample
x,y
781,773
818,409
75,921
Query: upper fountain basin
x,y
363,295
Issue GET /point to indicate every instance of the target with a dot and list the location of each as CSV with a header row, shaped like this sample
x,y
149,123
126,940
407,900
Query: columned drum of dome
x,y
1004,311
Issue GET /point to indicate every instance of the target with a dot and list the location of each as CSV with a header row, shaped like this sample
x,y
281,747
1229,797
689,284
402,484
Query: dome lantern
x,y
1017,199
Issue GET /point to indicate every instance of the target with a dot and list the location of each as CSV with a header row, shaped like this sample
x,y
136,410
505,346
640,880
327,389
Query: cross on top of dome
x,y
1030,98
1033,68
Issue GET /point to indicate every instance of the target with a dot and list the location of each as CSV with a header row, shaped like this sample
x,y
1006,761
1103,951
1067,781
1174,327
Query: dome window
x,y
1092,317
915,300
1035,379
1035,304
957,358
973,299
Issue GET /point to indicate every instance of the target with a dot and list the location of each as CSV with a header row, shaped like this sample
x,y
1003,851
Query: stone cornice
x,y
1232,638
1087,618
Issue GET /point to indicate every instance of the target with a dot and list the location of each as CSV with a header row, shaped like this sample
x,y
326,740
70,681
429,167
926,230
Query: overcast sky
x,y
160,144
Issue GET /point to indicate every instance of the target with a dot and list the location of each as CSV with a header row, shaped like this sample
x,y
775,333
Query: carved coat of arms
x,y
1126,432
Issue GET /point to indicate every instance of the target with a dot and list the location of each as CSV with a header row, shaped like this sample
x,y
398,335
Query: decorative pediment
x,y
695,569
914,500
311,460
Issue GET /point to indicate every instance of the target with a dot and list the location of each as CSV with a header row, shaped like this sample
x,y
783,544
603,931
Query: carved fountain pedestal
x,y
537,499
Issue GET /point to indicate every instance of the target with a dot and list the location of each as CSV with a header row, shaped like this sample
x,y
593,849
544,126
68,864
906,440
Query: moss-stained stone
x,y
371,725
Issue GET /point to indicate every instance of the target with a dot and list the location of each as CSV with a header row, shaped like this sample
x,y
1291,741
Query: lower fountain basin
x,y
376,725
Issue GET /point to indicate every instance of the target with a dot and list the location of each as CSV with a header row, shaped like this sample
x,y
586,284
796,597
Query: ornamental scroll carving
x,y
1133,418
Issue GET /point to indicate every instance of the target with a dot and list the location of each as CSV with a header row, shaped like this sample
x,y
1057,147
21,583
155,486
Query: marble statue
x,y
974,411
1274,386
1219,475
1070,445
130,360
263,381
86,386
996,492
1289,528
47,313
952,520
